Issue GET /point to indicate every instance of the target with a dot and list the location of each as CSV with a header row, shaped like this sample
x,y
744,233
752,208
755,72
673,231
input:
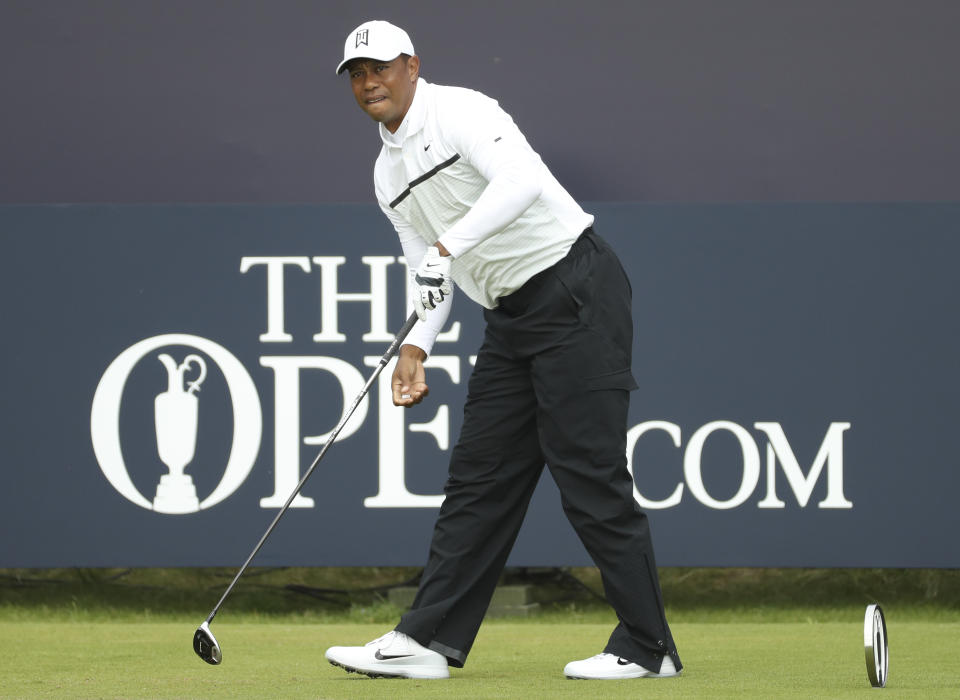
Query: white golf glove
x,y
433,282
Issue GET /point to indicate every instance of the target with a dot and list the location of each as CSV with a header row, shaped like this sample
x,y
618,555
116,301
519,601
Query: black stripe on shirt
x,y
426,176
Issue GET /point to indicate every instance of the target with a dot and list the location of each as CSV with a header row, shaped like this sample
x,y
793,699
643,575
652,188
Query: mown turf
x,y
742,633
509,660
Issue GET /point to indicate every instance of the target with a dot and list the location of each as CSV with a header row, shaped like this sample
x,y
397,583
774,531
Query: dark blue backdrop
x,y
810,346
833,326
654,100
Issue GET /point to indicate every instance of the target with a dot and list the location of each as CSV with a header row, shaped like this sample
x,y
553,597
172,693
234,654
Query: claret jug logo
x,y
175,416
176,420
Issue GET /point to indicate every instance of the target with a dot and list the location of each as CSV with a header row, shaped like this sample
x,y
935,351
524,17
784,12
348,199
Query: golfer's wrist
x,y
413,352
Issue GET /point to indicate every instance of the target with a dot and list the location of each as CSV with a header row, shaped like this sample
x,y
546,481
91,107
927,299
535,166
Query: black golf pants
x,y
551,385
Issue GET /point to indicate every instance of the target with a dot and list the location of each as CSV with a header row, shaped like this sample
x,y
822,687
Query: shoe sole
x,y
406,673
622,678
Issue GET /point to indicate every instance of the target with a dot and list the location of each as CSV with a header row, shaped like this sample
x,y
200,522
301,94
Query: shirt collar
x,y
413,120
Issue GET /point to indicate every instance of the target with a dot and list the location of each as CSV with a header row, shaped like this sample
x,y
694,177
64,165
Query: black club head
x,y
205,644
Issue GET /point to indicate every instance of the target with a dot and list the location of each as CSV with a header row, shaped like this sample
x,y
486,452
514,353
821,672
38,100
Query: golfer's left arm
x,y
408,383
488,140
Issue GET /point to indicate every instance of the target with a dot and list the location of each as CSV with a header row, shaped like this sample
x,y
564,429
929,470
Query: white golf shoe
x,y
394,655
612,667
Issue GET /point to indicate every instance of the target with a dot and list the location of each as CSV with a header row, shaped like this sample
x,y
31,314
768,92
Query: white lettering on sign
x,y
286,460
177,423
392,491
275,331
829,457
331,297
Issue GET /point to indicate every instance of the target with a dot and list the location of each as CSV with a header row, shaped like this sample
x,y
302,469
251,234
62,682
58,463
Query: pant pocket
x,y
620,379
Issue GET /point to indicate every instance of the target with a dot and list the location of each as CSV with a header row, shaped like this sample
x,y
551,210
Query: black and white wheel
x,y
876,646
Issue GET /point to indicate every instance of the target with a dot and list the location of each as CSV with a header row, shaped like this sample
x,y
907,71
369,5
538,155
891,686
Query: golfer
x,y
474,205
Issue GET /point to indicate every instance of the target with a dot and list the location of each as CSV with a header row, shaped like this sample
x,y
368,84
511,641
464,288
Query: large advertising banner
x,y
169,372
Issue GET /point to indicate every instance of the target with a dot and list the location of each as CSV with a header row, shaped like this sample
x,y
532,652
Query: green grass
x,y
359,594
265,660
742,633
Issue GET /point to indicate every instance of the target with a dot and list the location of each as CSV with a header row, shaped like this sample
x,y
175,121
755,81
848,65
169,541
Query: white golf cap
x,y
376,39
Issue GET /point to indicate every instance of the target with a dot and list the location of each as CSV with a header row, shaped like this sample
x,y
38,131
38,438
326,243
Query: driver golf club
x,y
204,643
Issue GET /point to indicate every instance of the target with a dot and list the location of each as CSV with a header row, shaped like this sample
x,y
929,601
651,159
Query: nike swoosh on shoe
x,y
381,657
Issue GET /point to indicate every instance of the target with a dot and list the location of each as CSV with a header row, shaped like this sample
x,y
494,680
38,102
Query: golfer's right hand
x,y
432,282
409,379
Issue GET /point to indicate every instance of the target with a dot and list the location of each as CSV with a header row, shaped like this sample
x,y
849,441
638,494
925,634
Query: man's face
x,y
384,89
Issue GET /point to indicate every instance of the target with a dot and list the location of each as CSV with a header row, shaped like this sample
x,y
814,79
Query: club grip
x,y
398,340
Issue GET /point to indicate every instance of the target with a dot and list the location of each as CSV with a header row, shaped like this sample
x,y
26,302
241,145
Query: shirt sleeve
x,y
487,138
424,333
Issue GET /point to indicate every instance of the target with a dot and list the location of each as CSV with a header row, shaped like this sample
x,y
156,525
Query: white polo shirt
x,y
459,171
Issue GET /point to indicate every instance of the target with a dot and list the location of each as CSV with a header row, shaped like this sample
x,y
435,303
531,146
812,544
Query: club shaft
x,y
384,361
